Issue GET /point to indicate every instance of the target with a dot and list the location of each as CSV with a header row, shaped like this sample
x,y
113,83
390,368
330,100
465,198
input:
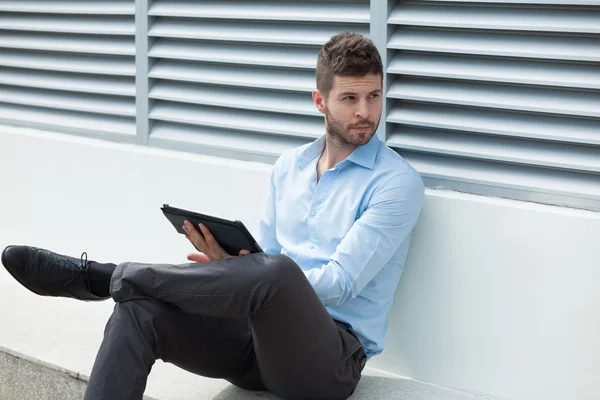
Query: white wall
x,y
498,296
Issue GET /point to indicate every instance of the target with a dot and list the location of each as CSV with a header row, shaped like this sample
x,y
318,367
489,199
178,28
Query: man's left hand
x,y
205,242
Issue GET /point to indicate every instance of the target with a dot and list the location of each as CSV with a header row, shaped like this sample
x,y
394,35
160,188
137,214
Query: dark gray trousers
x,y
255,321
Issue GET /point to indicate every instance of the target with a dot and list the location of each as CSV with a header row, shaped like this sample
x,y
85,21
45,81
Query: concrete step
x,y
26,378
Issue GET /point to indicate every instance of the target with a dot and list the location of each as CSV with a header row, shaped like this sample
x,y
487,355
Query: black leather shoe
x,y
49,274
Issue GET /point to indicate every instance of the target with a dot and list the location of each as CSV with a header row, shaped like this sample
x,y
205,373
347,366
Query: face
x,y
352,109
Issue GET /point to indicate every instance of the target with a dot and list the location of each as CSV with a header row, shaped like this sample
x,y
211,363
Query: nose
x,y
362,109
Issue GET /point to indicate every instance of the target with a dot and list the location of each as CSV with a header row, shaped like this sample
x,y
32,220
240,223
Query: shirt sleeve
x,y
371,241
267,233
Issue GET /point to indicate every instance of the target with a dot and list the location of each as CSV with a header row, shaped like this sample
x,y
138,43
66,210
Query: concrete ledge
x,y
26,378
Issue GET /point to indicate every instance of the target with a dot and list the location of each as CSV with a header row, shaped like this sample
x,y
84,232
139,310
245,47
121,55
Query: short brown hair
x,y
346,54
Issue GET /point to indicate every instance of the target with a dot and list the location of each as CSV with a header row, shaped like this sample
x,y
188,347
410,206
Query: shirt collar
x,y
311,152
364,155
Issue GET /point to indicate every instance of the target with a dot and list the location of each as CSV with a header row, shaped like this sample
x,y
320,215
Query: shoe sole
x,y
14,276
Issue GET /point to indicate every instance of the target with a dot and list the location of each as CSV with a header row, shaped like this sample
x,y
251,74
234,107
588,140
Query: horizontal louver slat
x,y
115,85
250,99
514,151
100,104
260,122
67,121
489,17
497,70
541,184
221,142
545,127
521,2
571,48
68,24
570,102
251,31
104,7
356,12
69,44
273,56
72,63
234,75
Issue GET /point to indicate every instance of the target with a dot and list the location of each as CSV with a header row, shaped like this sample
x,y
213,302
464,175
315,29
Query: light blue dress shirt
x,y
349,232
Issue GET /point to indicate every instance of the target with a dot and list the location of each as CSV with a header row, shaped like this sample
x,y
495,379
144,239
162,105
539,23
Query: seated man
x,y
300,319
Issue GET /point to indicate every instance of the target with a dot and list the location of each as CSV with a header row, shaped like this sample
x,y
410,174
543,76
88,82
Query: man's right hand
x,y
203,258
203,240
198,257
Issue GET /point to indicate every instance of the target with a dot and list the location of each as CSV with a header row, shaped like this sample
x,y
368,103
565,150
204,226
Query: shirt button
x,y
312,214
311,246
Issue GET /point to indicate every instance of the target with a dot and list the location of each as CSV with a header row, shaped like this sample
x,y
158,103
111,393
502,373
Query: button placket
x,y
312,227
314,206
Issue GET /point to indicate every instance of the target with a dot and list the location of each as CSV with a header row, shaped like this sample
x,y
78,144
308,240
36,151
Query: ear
x,y
319,101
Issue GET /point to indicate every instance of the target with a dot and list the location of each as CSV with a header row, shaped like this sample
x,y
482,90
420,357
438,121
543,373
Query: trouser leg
x,y
144,330
301,352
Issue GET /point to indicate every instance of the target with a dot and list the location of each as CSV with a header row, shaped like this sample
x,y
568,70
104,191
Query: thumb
x,y
198,257
244,252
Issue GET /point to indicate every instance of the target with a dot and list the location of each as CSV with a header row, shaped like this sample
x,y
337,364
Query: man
x,y
298,320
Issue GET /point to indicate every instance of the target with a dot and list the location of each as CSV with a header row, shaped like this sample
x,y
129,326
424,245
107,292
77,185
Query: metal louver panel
x,y
69,66
241,70
500,99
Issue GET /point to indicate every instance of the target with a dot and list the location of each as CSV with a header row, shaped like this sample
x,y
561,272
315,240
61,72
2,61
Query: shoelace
x,y
83,267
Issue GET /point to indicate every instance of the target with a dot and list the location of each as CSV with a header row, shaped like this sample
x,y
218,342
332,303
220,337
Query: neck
x,y
334,152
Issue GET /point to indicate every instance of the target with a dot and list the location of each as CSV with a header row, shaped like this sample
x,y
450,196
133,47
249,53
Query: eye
x,y
375,95
348,98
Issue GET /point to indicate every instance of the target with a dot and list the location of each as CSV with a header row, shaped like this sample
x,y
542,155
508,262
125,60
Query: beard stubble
x,y
342,134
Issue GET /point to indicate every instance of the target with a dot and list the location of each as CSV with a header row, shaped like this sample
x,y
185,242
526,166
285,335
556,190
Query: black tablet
x,y
231,235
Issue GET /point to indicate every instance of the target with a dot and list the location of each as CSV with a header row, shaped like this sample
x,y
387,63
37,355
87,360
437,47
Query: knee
x,y
283,269
132,327
133,317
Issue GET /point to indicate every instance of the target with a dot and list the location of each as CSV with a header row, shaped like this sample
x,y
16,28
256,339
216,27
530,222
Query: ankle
x,y
99,276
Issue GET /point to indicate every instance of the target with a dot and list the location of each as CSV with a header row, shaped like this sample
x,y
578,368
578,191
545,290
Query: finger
x,y
198,257
244,252
190,239
187,236
195,237
208,237
214,248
